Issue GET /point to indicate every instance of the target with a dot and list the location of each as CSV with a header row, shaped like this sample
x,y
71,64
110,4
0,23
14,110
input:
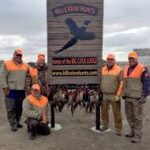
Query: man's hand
x,y
40,118
117,98
6,91
47,123
142,100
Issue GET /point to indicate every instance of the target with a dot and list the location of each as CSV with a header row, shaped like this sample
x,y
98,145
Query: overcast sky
x,y
23,24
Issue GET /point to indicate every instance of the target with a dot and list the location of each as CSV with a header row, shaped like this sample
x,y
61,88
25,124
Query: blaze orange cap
x,y
111,56
19,51
133,55
41,56
36,87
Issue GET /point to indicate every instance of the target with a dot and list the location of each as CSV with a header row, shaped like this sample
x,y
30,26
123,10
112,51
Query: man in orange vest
x,y
37,113
111,86
13,76
134,93
38,75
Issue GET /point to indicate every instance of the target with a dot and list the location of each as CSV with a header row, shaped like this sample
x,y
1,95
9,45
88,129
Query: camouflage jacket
x,y
40,78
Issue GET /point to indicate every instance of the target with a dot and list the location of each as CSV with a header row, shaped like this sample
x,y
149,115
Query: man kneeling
x,y
37,113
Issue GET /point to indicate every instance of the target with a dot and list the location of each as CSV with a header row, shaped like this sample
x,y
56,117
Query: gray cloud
x,y
126,26
127,13
22,17
24,20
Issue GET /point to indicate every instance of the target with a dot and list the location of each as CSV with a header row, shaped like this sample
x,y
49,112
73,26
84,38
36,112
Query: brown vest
x,y
132,85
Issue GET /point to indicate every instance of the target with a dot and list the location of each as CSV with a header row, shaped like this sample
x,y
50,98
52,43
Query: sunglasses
x,y
18,55
110,59
35,90
131,58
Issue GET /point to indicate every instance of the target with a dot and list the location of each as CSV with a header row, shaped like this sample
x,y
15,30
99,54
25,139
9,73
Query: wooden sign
x,y
74,73
75,61
75,35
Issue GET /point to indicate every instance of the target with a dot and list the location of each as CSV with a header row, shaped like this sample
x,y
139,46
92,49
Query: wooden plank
x,y
77,48
66,30
53,81
55,24
97,5
51,15
99,56
76,18
73,1
67,36
84,16
74,66
61,42
82,53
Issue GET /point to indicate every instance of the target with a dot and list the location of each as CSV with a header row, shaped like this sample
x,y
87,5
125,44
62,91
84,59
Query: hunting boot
x,y
19,125
130,134
118,132
28,129
135,140
32,134
103,129
14,127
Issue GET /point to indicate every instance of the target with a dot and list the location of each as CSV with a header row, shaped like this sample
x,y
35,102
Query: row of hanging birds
x,y
84,96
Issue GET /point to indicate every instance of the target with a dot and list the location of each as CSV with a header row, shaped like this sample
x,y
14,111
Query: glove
x,y
117,98
124,97
47,123
142,100
39,116
40,119
6,91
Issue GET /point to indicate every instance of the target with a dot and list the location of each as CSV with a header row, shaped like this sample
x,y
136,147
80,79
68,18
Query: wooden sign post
x,y
75,37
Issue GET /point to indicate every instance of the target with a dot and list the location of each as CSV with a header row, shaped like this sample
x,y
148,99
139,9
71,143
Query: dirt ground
x,y
75,135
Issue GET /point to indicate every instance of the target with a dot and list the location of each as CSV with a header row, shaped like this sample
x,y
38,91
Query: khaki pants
x,y
116,107
133,110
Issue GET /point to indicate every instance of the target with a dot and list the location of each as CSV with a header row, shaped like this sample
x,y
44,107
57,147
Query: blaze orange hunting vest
x,y
11,66
136,73
17,73
40,103
33,72
34,75
110,83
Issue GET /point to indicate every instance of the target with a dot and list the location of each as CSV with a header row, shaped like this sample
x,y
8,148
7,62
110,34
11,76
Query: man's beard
x,y
38,96
41,65
18,61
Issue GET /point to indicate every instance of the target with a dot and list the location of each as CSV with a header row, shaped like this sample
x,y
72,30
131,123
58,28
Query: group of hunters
x,y
26,90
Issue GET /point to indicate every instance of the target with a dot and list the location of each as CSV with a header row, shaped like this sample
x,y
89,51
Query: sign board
x,y
75,36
